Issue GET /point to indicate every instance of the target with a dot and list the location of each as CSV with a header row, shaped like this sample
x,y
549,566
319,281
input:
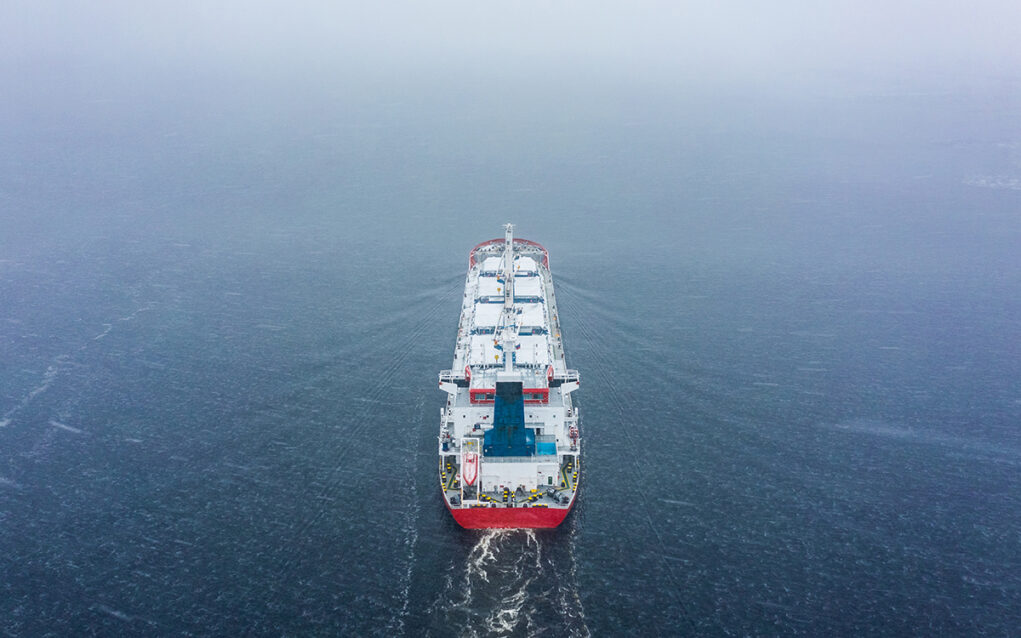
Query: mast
x,y
508,299
508,268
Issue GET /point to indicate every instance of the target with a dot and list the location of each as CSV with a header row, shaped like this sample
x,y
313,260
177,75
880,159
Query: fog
x,y
708,42
427,114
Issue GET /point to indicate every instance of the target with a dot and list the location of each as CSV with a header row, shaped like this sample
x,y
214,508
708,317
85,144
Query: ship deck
x,y
509,333
553,497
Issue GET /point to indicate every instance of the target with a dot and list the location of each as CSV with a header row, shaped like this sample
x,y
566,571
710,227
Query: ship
x,y
509,442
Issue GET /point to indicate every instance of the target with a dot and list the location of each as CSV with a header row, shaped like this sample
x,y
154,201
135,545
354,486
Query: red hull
x,y
505,518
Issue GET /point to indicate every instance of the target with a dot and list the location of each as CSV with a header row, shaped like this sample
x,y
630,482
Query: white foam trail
x,y
64,426
505,619
119,615
507,615
48,378
494,592
473,569
483,552
129,317
684,503
532,539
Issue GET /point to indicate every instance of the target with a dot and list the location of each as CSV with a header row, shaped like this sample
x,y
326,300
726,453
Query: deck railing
x,y
538,458
567,376
448,376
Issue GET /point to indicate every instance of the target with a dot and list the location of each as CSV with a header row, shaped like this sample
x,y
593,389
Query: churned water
x,y
796,321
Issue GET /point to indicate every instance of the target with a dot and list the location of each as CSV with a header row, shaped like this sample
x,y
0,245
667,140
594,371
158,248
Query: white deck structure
x,y
509,331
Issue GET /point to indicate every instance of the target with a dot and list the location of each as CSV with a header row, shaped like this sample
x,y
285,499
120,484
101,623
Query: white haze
x,y
755,43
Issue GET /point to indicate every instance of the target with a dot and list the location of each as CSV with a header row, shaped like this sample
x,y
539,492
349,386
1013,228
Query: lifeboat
x,y
470,468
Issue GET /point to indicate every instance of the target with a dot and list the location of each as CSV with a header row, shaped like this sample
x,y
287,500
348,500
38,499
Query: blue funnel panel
x,y
509,436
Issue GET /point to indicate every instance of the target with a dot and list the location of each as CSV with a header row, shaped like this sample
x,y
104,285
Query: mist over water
x,y
231,264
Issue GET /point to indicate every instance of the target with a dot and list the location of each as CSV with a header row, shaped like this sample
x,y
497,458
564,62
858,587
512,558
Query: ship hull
x,y
504,518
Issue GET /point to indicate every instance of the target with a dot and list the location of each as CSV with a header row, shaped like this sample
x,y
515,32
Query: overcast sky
x,y
735,41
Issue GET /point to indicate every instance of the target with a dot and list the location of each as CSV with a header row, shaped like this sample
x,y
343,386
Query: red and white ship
x,y
509,442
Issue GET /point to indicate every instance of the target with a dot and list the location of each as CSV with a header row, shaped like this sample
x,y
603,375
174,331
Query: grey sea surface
x,y
222,313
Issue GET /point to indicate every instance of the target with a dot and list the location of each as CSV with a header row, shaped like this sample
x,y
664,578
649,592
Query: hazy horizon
x,y
715,44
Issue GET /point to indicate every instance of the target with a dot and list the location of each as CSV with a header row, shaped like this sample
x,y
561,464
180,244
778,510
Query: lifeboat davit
x,y
470,468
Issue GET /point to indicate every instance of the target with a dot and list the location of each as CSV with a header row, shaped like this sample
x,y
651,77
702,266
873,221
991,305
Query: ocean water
x,y
222,312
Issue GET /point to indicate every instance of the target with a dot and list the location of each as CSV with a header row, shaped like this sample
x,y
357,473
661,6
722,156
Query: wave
x,y
514,582
981,449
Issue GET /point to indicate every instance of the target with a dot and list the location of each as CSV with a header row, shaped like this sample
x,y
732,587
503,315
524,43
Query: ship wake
x,y
513,582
